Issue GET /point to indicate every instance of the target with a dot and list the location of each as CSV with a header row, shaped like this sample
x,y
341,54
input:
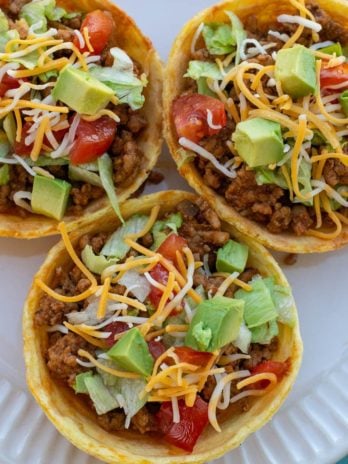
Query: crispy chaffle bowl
x,y
128,37
267,12
77,422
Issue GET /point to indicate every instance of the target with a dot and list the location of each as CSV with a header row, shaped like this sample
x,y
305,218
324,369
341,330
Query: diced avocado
x,y
132,353
10,128
295,69
101,396
259,306
344,102
4,174
331,49
50,196
81,91
232,257
79,385
216,322
259,142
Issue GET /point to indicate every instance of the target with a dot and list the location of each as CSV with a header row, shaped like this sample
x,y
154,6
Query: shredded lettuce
x,y
115,245
4,27
4,174
45,77
198,69
79,385
104,399
4,145
38,11
203,87
264,333
122,79
268,176
96,263
137,284
78,173
238,33
218,38
304,180
244,338
5,37
259,306
283,301
173,222
106,177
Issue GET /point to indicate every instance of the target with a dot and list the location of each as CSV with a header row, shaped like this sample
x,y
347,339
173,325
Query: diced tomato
x,y
7,83
193,420
115,328
160,274
274,367
21,149
93,139
190,114
100,26
171,245
156,348
191,356
333,76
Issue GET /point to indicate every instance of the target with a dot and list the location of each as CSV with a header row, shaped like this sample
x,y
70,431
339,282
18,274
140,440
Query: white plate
x,y
312,426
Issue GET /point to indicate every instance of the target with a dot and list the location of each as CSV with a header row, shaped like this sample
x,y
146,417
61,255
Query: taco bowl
x,y
265,197
113,106
268,352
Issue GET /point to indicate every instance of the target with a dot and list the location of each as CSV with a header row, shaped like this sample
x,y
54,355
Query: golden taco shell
x,y
128,37
267,12
77,423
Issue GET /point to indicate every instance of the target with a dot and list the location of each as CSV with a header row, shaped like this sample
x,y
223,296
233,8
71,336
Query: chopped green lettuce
x,y
4,27
269,176
115,245
45,77
218,38
264,333
106,177
238,33
38,11
137,284
304,181
259,306
96,263
104,399
198,69
5,37
244,338
80,174
203,87
122,80
10,128
4,174
4,144
283,301
173,222
79,385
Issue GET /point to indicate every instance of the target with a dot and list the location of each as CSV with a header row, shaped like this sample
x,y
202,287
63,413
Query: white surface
x,y
312,426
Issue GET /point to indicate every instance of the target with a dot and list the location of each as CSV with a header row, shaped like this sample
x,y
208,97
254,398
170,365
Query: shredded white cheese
x,y
282,37
319,45
78,34
210,121
19,199
294,19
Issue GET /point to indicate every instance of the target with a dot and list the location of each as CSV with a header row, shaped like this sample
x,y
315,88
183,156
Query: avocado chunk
x,y
132,353
216,322
50,196
331,49
81,91
295,69
259,306
232,257
344,102
259,142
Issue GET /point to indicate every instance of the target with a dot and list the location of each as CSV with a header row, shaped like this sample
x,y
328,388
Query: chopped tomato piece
x,y
190,114
156,348
193,420
191,356
7,83
274,367
333,76
160,274
99,25
170,246
93,139
115,328
21,149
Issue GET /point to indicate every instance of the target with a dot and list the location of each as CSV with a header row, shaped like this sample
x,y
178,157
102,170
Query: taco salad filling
x,y
162,326
70,110
263,114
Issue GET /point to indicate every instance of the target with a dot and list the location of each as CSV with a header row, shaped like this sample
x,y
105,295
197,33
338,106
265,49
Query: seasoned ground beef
x,y
144,421
301,220
13,7
61,357
332,30
335,172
